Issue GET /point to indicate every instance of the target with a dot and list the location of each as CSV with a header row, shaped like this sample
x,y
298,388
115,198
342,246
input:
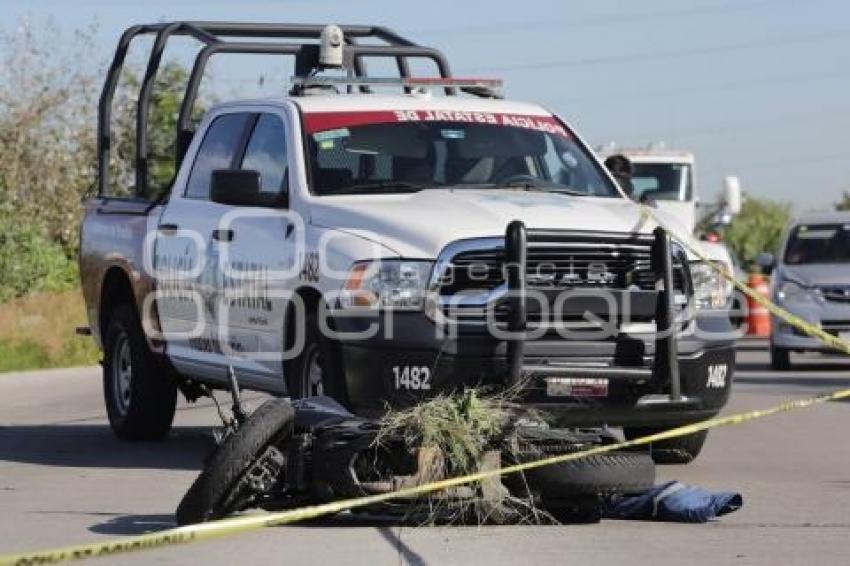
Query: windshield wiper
x,y
543,187
382,187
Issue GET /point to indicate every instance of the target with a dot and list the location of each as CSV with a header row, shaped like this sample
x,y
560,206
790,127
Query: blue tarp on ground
x,y
675,502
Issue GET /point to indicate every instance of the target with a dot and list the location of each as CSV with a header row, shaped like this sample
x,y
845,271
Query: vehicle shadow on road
x,y
822,382
93,445
842,368
134,524
810,375
390,531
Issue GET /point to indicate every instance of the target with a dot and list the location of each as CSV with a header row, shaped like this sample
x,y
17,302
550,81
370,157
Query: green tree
x,y
48,155
844,203
46,132
166,98
758,228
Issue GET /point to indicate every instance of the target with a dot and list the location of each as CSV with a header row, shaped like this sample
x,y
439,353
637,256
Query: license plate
x,y
576,386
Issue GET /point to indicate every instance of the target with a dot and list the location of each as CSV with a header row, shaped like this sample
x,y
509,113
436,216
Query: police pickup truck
x,y
382,248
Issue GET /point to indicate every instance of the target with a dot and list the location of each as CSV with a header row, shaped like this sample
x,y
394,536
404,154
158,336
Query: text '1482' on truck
x,y
380,240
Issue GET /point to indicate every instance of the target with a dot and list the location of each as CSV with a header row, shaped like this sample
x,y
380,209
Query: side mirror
x,y
767,261
241,187
732,195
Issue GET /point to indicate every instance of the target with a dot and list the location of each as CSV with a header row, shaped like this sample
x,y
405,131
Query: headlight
x,y
710,288
791,291
387,284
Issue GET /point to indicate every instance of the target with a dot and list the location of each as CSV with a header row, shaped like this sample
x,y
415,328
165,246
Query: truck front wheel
x,y
140,394
780,358
317,369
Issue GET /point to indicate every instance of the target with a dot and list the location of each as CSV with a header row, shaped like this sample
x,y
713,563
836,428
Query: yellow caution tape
x,y
226,527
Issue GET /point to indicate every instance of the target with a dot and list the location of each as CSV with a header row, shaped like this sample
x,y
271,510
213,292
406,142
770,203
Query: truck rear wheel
x,y
140,394
681,450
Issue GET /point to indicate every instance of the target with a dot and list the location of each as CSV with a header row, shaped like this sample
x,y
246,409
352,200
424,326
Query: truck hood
x,y
716,251
685,211
420,225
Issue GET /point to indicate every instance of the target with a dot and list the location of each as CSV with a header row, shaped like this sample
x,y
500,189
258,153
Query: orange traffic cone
x,y
758,318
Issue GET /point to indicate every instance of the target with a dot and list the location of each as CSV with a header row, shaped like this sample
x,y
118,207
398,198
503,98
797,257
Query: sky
x,y
755,88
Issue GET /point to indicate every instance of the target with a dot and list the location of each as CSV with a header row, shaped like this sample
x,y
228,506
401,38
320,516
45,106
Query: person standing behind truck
x,y
621,168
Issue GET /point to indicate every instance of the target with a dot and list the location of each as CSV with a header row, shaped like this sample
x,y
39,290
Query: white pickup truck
x,y
380,249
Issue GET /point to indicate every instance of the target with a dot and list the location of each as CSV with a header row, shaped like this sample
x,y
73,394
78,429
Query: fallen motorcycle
x,y
288,454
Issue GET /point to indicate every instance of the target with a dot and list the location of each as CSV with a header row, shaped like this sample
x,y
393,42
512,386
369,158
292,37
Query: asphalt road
x,y
64,479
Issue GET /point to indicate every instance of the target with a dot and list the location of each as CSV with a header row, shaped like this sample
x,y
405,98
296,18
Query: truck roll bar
x,y
217,37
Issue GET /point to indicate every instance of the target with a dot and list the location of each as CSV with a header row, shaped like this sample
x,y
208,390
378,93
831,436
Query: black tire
x,y
737,318
603,474
139,392
207,498
681,450
780,358
327,354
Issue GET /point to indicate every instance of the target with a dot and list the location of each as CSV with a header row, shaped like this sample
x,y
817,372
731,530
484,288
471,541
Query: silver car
x,y
811,279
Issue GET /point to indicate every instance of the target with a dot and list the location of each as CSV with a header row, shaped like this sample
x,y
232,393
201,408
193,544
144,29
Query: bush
x,y
47,142
758,228
48,118
29,260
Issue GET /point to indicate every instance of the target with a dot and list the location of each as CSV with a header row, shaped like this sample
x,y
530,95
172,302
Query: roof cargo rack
x,y
251,39
476,86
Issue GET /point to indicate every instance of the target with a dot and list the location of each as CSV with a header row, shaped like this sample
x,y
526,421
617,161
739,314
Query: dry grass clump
x,y
461,426
467,431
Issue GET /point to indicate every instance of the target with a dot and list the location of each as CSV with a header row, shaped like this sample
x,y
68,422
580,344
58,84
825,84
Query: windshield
x,y
818,243
661,181
408,151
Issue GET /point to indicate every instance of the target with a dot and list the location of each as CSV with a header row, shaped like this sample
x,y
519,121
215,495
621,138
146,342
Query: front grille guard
x,y
665,363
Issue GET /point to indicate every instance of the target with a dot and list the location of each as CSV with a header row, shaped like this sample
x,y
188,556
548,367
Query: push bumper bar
x,y
517,238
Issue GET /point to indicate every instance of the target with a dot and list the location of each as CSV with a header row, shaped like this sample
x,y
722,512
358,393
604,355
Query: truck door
x,y
260,257
187,268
